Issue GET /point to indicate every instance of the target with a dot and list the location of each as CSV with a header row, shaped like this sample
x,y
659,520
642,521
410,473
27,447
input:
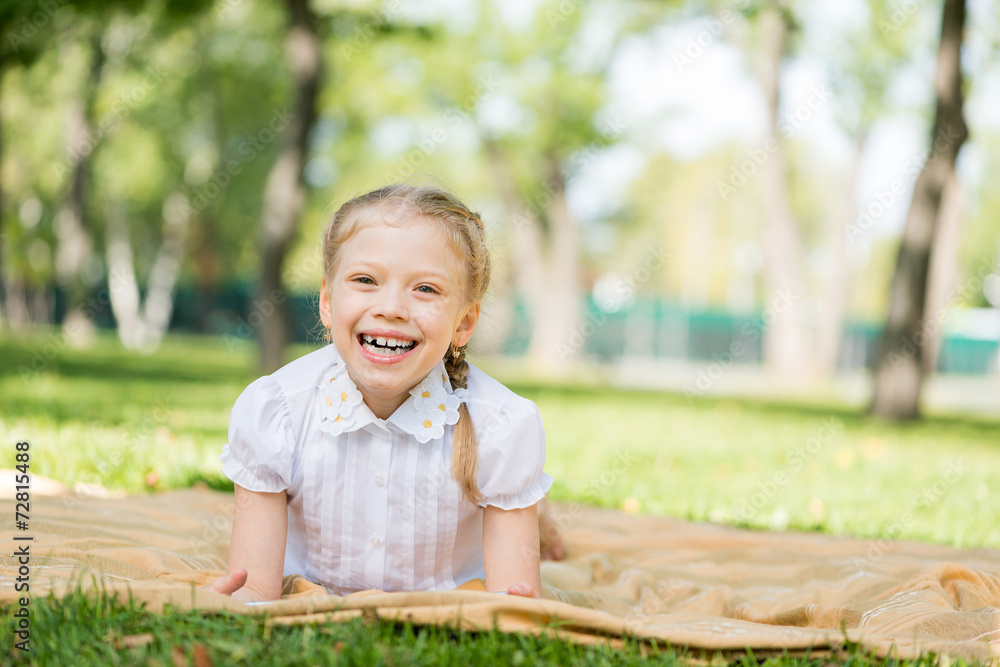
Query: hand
x,y
230,583
523,589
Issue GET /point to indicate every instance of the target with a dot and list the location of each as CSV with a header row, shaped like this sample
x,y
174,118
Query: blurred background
x,y
725,234
711,197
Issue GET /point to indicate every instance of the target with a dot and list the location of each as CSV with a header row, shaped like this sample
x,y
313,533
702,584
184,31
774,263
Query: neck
x,y
381,404
382,407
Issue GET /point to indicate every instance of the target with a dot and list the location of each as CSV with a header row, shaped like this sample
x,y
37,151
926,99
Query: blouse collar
x,y
431,406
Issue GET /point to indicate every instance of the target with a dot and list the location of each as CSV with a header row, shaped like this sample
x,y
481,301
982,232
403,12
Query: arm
x,y
510,551
257,547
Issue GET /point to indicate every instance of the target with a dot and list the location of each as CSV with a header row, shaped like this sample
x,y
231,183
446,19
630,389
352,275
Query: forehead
x,y
409,242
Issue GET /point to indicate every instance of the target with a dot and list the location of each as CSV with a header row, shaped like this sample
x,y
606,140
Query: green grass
x,y
165,413
123,633
82,630
138,424
743,462
775,466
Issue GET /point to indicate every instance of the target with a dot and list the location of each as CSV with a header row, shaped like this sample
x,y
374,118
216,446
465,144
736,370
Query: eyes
x,y
423,288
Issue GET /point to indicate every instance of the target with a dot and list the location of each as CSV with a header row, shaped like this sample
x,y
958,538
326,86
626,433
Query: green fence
x,y
660,329
650,329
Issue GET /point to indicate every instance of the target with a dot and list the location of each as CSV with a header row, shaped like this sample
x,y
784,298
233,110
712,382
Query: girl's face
x,y
395,302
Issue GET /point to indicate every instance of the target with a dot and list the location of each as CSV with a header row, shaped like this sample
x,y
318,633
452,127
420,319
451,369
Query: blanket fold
x,y
702,586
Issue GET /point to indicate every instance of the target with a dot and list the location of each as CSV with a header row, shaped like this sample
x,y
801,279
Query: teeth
x,y
386,346
384,351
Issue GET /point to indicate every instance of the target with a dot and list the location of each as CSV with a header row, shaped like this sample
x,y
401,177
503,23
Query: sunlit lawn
x,y
775,466
735,461
138,424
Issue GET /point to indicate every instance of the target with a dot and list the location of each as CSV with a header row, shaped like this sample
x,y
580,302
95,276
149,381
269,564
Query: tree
x,y
83,30
788,343
24,33
141,322
532,157
867,60
900,371
284,195
74,235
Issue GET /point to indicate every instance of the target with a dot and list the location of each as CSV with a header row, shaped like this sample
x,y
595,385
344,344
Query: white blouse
x,y
371,502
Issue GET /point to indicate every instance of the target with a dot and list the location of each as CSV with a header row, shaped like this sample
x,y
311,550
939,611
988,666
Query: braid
x,y
464,446
457,366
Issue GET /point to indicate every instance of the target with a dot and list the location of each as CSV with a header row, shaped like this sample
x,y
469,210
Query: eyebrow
x,y
430,273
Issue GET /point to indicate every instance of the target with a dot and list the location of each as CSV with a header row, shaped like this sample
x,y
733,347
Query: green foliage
x,y
178,102
176,90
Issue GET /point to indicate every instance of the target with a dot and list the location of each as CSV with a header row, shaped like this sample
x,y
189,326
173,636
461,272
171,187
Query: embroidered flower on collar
x,y
339,400
432,405
427,424
426,387
435,405
440,400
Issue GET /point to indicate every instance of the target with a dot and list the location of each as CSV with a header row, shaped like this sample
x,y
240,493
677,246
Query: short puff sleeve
x,y
512,456
258,456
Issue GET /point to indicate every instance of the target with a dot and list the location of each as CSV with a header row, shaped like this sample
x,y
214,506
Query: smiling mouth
x,y
385,347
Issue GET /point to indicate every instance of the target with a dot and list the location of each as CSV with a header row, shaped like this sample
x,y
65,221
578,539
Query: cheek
x,y
348,310
433,315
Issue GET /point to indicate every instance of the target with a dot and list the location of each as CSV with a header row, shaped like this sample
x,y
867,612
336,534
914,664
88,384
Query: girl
x,y
384,460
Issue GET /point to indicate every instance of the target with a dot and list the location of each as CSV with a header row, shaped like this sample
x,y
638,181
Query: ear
x,y
466,324
325,309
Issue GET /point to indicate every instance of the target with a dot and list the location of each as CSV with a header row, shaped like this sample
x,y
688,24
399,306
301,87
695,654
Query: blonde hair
x,y
465,229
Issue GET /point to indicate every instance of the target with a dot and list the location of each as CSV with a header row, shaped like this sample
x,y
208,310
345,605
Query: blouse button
x,y
376,542
379,479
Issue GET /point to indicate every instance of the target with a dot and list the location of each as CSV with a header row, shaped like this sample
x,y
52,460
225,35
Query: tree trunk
x,y
830,332
123,289
74,241
787,342
943,270
284,195
525,231
3,236
556,338
546,265
899,373
142,324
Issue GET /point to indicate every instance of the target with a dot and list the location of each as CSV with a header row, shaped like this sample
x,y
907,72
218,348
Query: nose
x,y
391,304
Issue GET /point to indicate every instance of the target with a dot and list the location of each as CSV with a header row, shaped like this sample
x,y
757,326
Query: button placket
x,y
378,508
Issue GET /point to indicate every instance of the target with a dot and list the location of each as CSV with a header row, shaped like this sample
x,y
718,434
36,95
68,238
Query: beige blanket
x,y
701,586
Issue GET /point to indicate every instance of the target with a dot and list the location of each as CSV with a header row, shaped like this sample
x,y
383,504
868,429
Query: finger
x,y
553,552
230,583
523,589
